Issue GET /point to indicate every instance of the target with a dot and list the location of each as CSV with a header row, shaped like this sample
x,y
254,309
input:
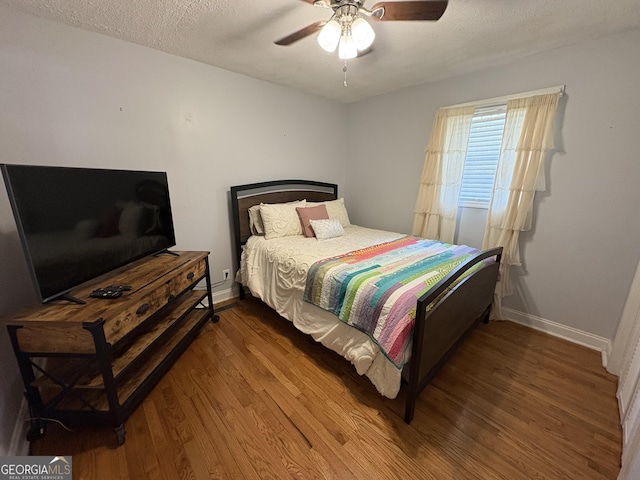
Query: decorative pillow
x,y
255,221
335,209
328,228
281,219
311,213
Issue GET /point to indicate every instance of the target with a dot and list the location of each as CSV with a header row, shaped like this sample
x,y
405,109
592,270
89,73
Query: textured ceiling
x,y
238,35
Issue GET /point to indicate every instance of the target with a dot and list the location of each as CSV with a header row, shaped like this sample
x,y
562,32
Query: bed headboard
x,y
277,191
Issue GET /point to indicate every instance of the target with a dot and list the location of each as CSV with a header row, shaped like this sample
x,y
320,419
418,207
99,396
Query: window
x,y
483,151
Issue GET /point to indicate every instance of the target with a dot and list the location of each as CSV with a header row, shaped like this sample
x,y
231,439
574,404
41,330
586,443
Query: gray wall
x,y
74,98
17,291
580,258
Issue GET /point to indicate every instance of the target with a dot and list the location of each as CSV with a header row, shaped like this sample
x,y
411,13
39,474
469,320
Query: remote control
x,y
104,293
114,288
118,287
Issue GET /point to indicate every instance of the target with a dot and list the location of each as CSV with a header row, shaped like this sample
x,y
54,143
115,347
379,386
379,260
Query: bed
x,y
286,272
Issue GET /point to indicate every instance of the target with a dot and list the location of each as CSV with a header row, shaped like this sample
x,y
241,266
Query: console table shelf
x,y
96,362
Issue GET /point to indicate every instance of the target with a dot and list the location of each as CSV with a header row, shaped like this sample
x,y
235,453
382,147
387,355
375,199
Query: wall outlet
x,y
226,273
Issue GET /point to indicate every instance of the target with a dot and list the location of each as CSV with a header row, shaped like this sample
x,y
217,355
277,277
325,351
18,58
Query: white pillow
x,y
281,219
255,221
335,209
329,228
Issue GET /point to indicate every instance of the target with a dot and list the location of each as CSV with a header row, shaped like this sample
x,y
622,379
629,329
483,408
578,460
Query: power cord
x,y
50,420
222,282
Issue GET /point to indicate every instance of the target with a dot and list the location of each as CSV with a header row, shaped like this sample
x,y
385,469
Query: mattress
x,y
275,271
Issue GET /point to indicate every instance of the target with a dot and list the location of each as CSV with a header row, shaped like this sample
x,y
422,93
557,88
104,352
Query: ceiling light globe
x,y
329,36
347,48
363,33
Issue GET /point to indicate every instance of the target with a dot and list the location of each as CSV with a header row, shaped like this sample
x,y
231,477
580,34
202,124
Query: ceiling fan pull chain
x,y
344,69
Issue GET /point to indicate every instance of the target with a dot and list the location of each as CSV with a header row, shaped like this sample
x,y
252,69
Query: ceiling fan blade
x,y
418,10
302,33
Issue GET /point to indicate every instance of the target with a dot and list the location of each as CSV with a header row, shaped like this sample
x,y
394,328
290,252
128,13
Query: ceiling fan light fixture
x,y
329,36
363,34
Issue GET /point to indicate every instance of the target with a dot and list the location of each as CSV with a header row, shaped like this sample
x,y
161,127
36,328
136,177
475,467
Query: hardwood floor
x,y
253,398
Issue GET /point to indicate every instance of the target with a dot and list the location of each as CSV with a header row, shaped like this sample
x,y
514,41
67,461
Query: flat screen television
x,y
78,223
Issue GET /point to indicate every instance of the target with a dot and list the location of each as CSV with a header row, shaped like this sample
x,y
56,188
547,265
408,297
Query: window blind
x,y
483,151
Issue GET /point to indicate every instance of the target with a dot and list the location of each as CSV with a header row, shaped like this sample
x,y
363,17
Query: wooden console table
x,y
96,362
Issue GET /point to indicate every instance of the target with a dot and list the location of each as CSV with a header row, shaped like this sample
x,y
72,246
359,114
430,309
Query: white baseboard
x,y
222,295
19,445
589,340
227,294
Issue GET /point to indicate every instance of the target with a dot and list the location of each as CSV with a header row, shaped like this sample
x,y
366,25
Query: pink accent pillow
x,y
311,213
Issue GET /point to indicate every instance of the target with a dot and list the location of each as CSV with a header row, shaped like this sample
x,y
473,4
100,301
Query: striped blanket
x,y
376,289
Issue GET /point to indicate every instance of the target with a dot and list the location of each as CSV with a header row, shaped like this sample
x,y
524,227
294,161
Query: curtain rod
x,y
506,98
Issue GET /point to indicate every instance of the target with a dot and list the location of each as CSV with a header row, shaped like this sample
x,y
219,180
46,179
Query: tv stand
x,y
101,358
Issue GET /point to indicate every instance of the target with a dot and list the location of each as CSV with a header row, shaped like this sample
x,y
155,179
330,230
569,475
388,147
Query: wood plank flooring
x,y
253,398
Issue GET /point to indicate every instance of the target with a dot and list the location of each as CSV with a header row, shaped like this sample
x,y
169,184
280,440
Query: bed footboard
x,y
440,330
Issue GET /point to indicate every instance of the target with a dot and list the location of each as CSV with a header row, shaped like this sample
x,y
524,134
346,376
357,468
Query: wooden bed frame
x,y
439,330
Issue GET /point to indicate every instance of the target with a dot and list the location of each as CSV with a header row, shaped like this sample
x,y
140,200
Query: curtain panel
x,y
437,203
528,135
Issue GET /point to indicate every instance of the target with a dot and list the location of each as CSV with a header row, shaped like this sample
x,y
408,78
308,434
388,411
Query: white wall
x,y
74,98
581,255
17,292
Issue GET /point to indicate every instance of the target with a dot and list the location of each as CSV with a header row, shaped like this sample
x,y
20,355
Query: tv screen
x,y
78,223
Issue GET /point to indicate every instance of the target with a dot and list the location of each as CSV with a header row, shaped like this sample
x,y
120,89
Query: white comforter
x,y
275,271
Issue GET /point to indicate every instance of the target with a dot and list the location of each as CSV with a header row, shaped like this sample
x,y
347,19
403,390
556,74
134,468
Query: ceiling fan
x,y
349,32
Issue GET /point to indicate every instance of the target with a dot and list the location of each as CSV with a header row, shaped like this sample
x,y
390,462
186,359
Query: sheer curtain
x,y
437,204
528,135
